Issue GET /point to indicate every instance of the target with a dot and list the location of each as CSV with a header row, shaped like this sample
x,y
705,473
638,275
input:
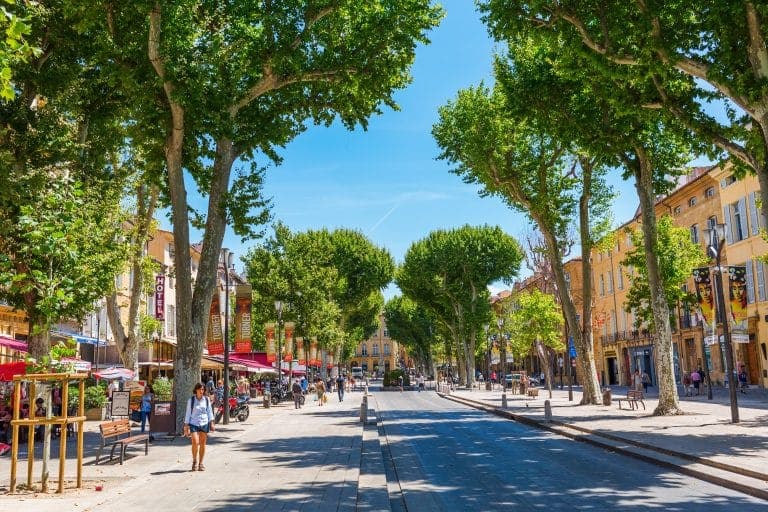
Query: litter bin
x,y
607,396
488,386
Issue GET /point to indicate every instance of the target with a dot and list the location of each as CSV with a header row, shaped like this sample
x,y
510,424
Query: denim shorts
x,y
197,428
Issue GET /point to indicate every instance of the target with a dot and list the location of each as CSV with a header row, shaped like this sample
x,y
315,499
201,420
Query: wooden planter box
x,y
95,414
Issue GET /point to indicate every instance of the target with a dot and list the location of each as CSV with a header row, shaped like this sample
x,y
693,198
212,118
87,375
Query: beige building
x,y
379,353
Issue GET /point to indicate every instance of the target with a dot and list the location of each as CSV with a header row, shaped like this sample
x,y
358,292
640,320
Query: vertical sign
x,y
243,318
704,294
738,300
215,338
269,334
288,352
300,350
160,297
313,352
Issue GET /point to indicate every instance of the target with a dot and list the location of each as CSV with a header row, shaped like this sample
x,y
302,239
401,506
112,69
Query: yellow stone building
x,y
379,353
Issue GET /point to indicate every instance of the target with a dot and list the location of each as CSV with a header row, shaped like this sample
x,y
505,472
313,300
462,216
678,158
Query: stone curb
x,y
752,483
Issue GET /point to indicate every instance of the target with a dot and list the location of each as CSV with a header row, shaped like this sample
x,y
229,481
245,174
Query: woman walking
x,y
146,406
198,422
320,389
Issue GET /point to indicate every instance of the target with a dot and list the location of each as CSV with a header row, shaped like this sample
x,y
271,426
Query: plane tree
x,y
448,274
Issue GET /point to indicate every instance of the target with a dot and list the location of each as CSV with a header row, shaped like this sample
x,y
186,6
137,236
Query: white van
x,y
357,372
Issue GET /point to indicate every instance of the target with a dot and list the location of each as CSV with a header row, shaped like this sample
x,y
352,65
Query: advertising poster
x,y
313,352
704,295
738,302
269,334
243,318
288,352
215,338
300,350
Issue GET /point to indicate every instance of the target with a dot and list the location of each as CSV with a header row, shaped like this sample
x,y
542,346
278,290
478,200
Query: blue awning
x,y
82,339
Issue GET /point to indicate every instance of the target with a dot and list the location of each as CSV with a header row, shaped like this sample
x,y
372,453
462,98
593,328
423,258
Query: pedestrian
x,y
646,381
320,390
296,390
703,377
696,379
198,422
219,393
637,380
304,384
340,385
420,382
687,383
742,379
146,406
210,386
400,382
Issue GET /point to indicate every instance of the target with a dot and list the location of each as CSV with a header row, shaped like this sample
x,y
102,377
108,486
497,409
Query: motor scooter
x,y
238,409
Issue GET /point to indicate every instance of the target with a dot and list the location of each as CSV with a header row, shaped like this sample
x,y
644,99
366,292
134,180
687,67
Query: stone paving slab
x,y
281,459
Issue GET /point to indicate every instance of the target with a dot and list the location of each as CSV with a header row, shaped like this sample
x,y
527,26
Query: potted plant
x,y
95,400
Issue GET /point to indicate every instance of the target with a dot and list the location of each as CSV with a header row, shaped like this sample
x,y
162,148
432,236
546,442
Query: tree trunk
x,y
668,399
586,359
39,339
128,343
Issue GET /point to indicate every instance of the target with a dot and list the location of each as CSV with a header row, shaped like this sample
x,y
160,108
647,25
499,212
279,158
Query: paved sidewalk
x,y
279,459
704,433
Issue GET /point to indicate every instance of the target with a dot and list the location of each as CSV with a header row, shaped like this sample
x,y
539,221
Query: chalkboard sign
x,y
120,403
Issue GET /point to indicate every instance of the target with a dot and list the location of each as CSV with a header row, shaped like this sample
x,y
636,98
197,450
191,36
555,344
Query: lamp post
x,y
227,260
715,250
503,378
279,309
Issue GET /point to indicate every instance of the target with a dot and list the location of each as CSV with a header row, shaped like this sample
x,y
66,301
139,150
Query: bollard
x,y
504,400
364,410
547,410
267,399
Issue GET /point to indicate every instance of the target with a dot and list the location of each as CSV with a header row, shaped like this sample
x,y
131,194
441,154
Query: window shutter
x,y
760,278
742,206
727,220
754,227
750,283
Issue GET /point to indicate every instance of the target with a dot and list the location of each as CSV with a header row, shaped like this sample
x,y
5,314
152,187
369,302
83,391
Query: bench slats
x,y
115,429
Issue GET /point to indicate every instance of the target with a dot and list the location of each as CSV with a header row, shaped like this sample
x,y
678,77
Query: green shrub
x,y
162,388
73,398
391,378
95,397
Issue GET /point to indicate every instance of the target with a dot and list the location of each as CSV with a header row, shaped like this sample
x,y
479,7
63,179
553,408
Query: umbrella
x,y
8,370
114,373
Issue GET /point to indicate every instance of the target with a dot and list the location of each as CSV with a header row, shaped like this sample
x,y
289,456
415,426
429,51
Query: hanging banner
x,y
269,334
160,297
495,354
313,352
300,350
288,352
704,296
738,298
215,338
243,318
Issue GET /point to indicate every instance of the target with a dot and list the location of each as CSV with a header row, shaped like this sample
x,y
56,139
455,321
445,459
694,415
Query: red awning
x,y
8,370
13,344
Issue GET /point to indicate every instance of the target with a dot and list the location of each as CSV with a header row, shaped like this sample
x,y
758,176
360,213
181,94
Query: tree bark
x,y
668,399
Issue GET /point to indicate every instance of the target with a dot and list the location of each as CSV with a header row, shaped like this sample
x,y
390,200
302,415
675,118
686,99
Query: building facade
x,y
379,353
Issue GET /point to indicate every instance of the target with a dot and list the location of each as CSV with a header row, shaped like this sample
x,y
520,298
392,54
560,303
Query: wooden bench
x,y
533,392
633,398
112,433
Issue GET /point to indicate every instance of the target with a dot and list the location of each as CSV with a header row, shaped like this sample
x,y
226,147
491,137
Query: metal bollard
x,y
364,410
504,400
547,410
267,399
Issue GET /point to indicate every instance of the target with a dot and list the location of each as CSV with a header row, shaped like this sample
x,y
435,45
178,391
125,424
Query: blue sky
x,y
386,181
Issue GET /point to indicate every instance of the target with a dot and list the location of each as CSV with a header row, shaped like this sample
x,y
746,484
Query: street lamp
x,y
279,309
227,260
715,249
503,378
